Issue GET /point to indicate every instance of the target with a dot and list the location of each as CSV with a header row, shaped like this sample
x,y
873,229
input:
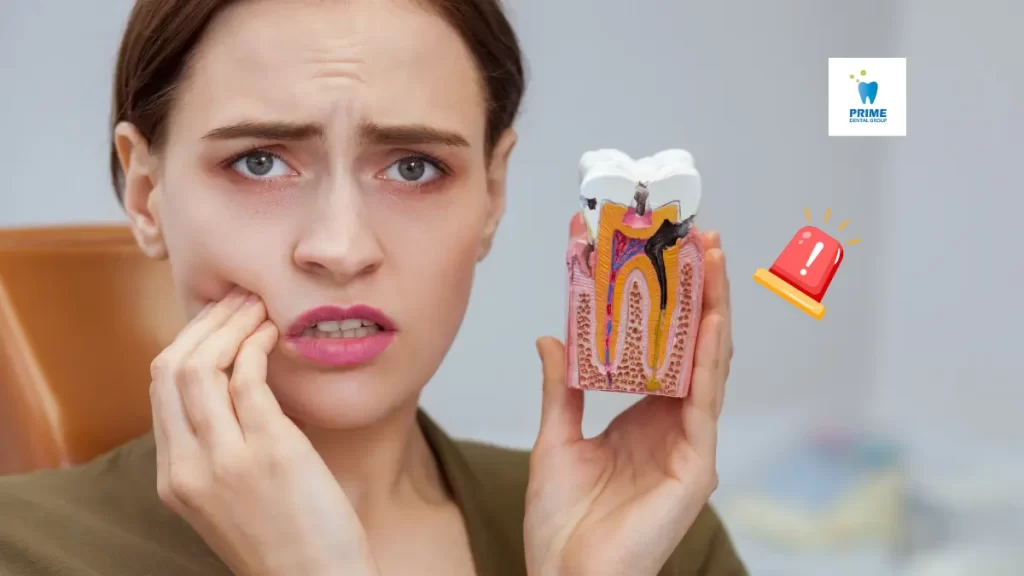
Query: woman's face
x,y
327,154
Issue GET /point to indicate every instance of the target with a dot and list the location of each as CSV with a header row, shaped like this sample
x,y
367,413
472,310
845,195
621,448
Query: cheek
x,y
444,271
436,259
213,247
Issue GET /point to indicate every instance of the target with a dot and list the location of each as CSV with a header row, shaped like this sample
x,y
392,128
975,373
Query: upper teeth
x,y
342,325
612,176
352,328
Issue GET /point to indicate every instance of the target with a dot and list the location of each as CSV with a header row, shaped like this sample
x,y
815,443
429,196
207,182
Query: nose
x,y
340,242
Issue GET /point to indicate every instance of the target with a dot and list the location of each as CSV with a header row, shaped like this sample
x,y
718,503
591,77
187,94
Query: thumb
x,y
561,419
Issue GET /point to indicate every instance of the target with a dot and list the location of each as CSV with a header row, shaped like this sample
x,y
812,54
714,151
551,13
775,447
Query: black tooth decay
x,y
666,236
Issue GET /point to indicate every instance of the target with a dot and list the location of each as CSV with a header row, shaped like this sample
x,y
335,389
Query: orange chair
x,y
82,315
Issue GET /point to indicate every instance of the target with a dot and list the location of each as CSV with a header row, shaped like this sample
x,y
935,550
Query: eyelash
x,y
428,159
228,164
443,172
439,165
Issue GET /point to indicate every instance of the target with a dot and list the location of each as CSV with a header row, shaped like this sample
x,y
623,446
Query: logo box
x,y
867,96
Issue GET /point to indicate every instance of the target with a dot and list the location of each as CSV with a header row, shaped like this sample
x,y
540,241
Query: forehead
x,y
336,62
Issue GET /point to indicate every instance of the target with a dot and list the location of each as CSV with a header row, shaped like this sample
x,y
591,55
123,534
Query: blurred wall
x,y
949,343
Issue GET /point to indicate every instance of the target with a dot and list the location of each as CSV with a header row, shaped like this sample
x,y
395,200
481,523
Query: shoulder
x,y
706,550
100,517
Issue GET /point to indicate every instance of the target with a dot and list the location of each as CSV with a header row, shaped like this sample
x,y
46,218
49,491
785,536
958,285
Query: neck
x,y
383,465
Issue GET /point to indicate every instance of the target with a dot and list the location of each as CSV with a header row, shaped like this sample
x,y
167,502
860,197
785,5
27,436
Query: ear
x,y
497,173
140,201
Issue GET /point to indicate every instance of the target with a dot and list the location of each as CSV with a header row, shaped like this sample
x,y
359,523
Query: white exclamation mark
x,y
814,254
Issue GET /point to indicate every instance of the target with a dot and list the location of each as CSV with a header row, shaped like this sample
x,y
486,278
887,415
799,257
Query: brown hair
x,y
162,34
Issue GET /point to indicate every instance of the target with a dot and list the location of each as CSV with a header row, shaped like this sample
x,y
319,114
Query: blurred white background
x,y
923,332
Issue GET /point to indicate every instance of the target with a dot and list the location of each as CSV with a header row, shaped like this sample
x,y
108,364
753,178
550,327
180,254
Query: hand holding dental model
x,y
620,503
233,465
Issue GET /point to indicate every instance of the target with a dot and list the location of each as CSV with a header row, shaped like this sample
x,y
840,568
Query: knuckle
x,y
185,485
248,344
277,452
196,369
154,389
238,386
164,491
200,420
277,456
162,365
229,465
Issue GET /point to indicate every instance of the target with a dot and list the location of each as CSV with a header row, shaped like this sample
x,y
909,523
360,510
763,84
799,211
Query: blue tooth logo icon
x,y
868,91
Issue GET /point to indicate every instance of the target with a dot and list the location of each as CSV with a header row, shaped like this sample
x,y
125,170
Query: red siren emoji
x,y
803,271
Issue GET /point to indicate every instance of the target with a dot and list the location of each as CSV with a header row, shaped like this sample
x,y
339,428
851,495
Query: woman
x,y
323,177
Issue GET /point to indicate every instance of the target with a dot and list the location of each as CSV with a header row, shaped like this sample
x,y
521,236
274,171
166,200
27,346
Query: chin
x,y
339,400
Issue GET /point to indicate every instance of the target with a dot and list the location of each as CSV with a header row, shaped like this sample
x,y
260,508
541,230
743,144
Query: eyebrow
x,y
369,132
266,131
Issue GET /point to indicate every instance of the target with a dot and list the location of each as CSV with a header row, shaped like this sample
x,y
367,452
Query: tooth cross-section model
x,y
636,274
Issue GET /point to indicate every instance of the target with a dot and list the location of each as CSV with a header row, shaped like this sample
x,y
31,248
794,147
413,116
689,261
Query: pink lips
x,y
341,352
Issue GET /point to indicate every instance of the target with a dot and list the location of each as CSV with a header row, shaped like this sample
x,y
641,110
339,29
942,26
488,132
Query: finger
x,y
200,327
701,407
725,295
221,348
725,285
255,405
716,303
204,386
716,290
711,239
561,420
174,436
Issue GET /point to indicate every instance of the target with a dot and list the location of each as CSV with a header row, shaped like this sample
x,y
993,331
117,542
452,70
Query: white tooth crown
x,y
612,176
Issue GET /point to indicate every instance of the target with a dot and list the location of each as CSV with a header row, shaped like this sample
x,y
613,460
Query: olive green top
x,y
104,518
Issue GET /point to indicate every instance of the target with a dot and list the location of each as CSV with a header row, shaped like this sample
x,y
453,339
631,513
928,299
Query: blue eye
x,y
413,170
261,165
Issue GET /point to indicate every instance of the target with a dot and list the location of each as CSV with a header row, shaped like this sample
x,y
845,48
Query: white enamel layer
x,y
612,176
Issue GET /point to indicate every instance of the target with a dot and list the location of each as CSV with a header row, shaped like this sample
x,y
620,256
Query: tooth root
x,y
641,358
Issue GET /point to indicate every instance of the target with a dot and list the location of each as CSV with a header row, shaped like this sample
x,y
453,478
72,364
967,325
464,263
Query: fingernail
x,y
251,299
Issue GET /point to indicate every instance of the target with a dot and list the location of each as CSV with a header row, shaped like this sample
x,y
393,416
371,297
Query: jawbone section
x,y
619,336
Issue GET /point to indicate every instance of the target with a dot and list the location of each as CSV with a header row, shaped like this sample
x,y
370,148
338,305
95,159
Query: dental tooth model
x,y
636,274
